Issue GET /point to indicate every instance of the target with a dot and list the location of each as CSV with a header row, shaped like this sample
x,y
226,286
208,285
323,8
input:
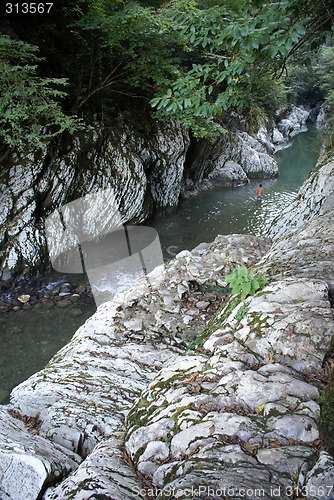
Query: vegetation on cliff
x,y
192,61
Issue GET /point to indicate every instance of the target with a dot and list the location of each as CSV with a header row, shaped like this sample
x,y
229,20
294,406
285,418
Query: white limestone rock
x,y
277,137
144,435
229,174
104,474
181,441
28,462
295,122
320,479
315,197
287,459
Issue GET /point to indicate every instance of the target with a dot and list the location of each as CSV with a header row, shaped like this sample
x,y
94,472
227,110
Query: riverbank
x,y
148,175
239,410
45,328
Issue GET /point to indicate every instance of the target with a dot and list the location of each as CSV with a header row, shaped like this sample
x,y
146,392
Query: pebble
x,y
23,298
75,312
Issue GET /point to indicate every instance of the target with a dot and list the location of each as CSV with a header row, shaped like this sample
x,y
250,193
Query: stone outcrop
x,y
315,197
148,172
241,155
176,389
219,397
81,398
232,160
294,123
145,174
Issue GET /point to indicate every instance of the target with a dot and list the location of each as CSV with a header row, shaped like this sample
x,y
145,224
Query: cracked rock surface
x,y
175,388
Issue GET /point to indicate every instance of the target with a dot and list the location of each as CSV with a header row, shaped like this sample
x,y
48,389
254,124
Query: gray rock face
x,y
29,462
321,117
320,479
173,389
145,176
104,474
315,197
235,158
229,174
231,160
295,122
83,395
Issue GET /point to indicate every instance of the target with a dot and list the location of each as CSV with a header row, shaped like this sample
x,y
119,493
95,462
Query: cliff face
x,y
314,198
147,172
127,409
145,175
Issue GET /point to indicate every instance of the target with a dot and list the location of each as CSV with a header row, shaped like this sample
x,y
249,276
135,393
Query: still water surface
x,y
28,339
226,211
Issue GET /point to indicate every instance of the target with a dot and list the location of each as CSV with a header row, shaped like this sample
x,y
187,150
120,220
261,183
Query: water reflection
x,y
224,211
28,339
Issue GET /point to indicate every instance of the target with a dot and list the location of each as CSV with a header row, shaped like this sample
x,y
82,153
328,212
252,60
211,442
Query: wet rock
x,y
75,312
75,297
16,330
63,303
65,286
49,304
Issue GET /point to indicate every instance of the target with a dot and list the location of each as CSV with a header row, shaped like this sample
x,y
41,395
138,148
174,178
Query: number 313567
x,y
28,8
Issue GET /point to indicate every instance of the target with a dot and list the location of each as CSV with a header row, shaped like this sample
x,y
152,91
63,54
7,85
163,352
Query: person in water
x,y
259,193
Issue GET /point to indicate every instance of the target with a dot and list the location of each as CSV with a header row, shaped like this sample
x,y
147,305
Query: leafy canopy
x,y
29,107
193,61
233,56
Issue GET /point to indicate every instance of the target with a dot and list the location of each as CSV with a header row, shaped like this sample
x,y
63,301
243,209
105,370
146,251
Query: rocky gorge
x,y
149,171
176,389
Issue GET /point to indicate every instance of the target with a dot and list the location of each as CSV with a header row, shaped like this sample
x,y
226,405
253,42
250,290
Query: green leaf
x,y
255,285
236,289
246,288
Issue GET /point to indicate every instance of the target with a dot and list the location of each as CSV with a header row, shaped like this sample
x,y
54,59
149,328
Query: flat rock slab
x,y
28,463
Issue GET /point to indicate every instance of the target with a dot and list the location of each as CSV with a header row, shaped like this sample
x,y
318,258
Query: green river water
x,y
28,339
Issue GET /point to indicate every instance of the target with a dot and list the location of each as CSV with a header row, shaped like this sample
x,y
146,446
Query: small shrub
x,y
242,280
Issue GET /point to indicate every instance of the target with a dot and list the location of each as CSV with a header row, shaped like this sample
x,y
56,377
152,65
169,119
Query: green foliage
x,y
234,53
327,416
313,82
242,280
193,60
125,50
324,69
29,108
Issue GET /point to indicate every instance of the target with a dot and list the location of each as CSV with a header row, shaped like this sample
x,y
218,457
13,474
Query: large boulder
x,y
314,197
144,173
